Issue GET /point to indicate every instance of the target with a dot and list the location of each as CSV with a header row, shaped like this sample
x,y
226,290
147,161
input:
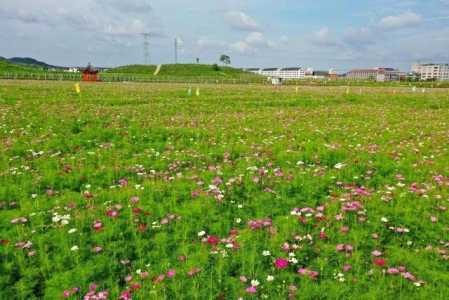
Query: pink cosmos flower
x,y
393,271
251,289
171,273
193,272
97,249
347,267
134,199
281,263
376,253
97,225
159,278
243,278
323,235
123,182
144,275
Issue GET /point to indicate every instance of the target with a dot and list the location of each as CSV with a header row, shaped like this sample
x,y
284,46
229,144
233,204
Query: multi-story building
x,y
378,74
291,73
270,72
431,71
283,73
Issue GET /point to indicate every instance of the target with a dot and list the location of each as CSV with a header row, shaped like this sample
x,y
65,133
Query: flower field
x,y
146,191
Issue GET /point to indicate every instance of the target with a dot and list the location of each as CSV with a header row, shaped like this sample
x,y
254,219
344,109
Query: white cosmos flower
x,y
74,248
201,233
266,253
255,282
270,278
339,166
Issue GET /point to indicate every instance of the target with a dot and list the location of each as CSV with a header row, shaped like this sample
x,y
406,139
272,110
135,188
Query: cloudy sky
x,y
323,34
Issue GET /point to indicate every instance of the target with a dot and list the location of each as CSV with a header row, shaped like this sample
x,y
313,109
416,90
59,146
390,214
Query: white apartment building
x,y
377,74
283,73
432,71
292,73
270,72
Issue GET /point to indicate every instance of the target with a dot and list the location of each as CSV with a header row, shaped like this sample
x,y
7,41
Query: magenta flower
x,y
281,263
212,240
171,273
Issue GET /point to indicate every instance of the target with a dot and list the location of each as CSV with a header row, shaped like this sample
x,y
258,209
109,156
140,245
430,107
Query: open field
x,y
141,191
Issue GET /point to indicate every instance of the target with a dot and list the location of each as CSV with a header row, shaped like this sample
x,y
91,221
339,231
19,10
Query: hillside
x,y
7,66
28,61
182,70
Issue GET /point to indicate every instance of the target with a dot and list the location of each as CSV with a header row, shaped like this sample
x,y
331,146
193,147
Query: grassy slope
x,y
182,70
6,66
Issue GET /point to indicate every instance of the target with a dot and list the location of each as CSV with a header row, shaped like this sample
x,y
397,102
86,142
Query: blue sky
x,y
321,34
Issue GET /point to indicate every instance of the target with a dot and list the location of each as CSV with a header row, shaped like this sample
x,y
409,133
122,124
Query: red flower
x,y
112,213
212,240
379,262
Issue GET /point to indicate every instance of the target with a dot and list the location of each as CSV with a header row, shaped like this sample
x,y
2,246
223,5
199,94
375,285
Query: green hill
x,y
6,66
183,70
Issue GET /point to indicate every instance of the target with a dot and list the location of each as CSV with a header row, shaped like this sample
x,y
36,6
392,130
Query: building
x,y
90,74
292,73
71,70
377,74
312,74
270,72
431,71
254,70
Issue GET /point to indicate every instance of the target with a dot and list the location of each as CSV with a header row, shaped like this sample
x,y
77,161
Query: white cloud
x,y
242,47
407,19
324,37
240,21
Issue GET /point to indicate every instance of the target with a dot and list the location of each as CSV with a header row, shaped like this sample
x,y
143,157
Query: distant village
x,y
419,72
425,72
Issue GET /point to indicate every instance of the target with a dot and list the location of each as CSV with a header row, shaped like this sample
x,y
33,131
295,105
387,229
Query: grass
x,y
181,70
141,188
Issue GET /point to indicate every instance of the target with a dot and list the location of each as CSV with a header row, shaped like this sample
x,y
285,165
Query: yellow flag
x,y
77,88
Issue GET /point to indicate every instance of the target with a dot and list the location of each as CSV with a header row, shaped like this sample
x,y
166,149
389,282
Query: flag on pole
x,y
189,92
197,91
77,88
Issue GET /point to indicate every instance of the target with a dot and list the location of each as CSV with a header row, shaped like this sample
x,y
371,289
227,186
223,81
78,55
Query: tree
x,y
225,59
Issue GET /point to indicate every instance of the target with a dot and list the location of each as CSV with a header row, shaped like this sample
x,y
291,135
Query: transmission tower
x,y
176,50
146,48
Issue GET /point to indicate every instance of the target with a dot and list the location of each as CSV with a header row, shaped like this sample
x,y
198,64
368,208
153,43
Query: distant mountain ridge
x,y
30,62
